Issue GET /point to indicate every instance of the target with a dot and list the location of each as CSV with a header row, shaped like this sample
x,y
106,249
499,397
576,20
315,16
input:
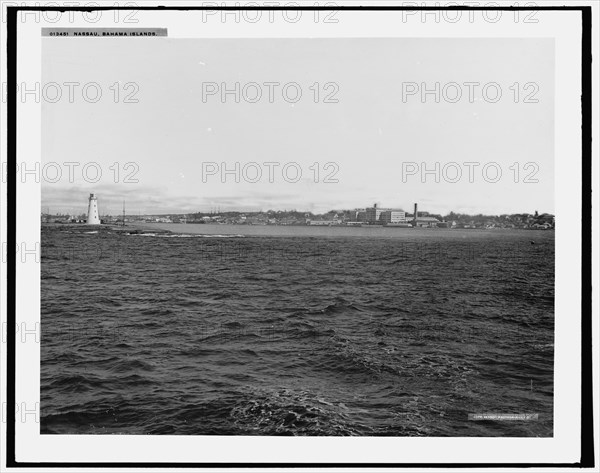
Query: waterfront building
x,y
323,222
427,221
372,214
392,216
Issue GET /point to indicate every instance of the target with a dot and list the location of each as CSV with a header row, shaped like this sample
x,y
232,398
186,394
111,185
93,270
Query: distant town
x,y
369,216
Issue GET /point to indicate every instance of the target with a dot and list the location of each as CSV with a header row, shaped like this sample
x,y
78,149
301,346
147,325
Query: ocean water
x,y
224,330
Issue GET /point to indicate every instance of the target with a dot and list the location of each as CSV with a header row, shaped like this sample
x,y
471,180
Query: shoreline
x,y
159,227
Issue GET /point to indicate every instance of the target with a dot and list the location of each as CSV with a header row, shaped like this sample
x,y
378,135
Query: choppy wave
x,y
296,336
183,235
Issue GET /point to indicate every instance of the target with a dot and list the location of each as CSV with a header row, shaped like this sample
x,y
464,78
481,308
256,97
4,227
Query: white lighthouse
x,y
93,218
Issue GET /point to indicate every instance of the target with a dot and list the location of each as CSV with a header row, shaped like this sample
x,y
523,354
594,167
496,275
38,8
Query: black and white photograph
x,y
257,223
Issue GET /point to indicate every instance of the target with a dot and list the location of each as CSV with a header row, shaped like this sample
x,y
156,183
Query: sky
x,y
373,138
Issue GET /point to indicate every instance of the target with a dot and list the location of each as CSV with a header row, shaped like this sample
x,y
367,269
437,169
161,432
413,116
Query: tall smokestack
x,y
415,216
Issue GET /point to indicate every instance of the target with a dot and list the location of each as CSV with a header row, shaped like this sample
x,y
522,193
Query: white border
x,y
564,447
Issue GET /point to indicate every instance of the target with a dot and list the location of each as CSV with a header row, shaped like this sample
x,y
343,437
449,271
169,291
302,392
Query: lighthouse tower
x,y
93,218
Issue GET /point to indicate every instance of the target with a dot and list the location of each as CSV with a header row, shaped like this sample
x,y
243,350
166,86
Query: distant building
x,y
378,216
392,216
323,222
427,222
373,214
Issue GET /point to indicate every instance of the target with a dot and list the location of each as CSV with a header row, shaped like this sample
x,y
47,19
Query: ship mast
x,y
123,213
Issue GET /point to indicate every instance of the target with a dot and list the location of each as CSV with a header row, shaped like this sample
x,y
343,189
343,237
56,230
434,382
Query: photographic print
x,y
298,237
311,235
